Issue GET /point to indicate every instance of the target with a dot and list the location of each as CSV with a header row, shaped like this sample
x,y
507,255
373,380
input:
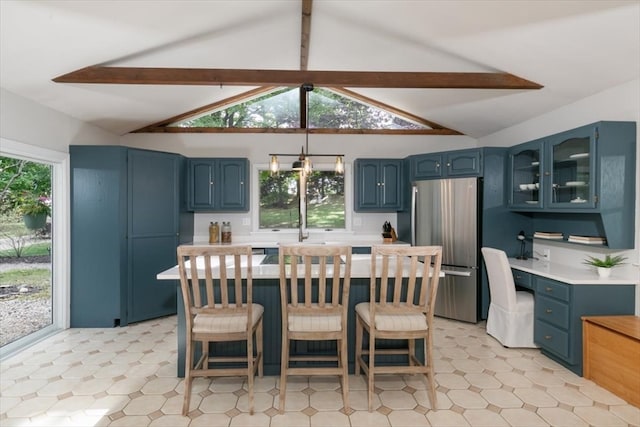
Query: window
x,y
279,200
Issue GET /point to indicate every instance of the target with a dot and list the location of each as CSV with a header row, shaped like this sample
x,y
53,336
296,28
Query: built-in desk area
x,y
563,294
266,291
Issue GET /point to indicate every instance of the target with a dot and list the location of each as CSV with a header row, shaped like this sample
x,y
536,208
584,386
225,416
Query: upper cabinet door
x,y
571,169
464,163
220,184
427,166
201,184
526,183
390,174
233,184
377,185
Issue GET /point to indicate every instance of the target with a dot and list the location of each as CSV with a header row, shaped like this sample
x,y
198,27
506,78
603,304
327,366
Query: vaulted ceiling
x,y
398,53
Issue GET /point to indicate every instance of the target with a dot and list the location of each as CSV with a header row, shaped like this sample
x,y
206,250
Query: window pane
x,y
279,201
325,200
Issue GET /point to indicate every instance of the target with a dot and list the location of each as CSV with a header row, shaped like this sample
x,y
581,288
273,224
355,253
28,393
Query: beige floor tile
x,y
397,400
160,385
290,419
467,366
294,401
467,399
513,379
70,406
246,420
144,405
211,420
443,400
452,381
218,403
443,418
131,421
261,402
523,418
545,379
597,416
482,380
496,365
569,396
170,421
561,417
364,418
628,413
24,388
226,384
599,394
92,387
536,397
31,407
501,398
322,383
126,386
329,419
59,387
326,400
389,382
358,400
484,418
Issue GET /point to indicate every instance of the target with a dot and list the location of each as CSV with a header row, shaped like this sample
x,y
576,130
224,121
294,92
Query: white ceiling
x,y
572,48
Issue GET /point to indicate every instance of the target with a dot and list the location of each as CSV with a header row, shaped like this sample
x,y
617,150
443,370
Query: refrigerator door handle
x,y
457,273
414,201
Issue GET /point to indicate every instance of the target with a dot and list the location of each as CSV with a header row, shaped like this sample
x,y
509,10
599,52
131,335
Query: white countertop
x,y
353,241
360,268
576,275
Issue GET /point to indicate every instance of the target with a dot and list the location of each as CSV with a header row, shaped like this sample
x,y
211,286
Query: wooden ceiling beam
x,y
311,131
305,31
243,77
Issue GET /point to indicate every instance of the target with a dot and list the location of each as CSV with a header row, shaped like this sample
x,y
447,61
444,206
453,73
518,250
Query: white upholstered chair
x,y
403,289
511,314
314,296
219,308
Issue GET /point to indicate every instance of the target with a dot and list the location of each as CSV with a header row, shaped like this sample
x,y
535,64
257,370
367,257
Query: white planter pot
x,y
603,271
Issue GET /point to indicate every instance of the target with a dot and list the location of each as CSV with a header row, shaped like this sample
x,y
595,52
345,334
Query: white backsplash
x,y
574,255
361,225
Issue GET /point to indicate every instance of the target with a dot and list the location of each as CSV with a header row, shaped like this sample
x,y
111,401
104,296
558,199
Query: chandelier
x,y
303,163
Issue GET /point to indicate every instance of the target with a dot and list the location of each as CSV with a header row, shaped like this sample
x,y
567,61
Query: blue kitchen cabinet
x,y
558,310
378,185
589,171
218,184
128,215
449,164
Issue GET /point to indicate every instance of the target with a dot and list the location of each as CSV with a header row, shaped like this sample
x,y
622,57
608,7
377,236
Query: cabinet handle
x,y
378,184
548,337
211,183
548,310
518,277
548,289
547,174
448,164
382,184
241,182
437,165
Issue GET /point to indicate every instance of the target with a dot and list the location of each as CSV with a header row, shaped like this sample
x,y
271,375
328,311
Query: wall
x,y
25,121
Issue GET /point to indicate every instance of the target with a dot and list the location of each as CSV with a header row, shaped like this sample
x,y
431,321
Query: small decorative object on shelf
x,y
605,265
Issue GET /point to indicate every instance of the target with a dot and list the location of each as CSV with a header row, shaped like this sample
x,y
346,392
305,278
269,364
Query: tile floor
x,y
127,377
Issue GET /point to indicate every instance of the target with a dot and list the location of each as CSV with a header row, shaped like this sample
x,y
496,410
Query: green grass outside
x,y
36,249
323,215
37,278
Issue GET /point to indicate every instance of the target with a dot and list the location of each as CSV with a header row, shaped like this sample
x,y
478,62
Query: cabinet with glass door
x,y
525,163
570,171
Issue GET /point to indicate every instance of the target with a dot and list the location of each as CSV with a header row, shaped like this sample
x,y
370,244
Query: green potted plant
x,y
605,265
35,210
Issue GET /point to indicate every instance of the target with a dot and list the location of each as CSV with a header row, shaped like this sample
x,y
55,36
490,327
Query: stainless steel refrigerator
x,y
445,213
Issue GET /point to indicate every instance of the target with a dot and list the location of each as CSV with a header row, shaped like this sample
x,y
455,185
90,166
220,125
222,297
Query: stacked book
x,y
547,235
589,240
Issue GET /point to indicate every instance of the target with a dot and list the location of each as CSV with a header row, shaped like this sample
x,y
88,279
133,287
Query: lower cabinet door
x,y
550,338
552,311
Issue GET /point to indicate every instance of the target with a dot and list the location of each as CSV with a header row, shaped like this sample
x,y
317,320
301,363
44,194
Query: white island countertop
x,y
576,275
360,268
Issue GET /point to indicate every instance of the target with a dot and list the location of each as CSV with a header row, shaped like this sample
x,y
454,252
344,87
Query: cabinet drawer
x,y
552,288
551,338
522,278
552,311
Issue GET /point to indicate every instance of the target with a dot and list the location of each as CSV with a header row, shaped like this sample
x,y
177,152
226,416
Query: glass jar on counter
x,y
226,232
214,233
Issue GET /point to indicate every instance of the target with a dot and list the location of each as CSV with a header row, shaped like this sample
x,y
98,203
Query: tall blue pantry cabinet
x,y
128,215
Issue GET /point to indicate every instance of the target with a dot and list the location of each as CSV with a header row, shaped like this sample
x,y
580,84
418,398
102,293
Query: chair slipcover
x,y
511,312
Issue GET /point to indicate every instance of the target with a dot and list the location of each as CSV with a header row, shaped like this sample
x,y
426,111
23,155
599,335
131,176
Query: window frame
x,y
255,200
60,221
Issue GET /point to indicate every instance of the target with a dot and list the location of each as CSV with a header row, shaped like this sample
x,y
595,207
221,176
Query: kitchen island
x,y
266,291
